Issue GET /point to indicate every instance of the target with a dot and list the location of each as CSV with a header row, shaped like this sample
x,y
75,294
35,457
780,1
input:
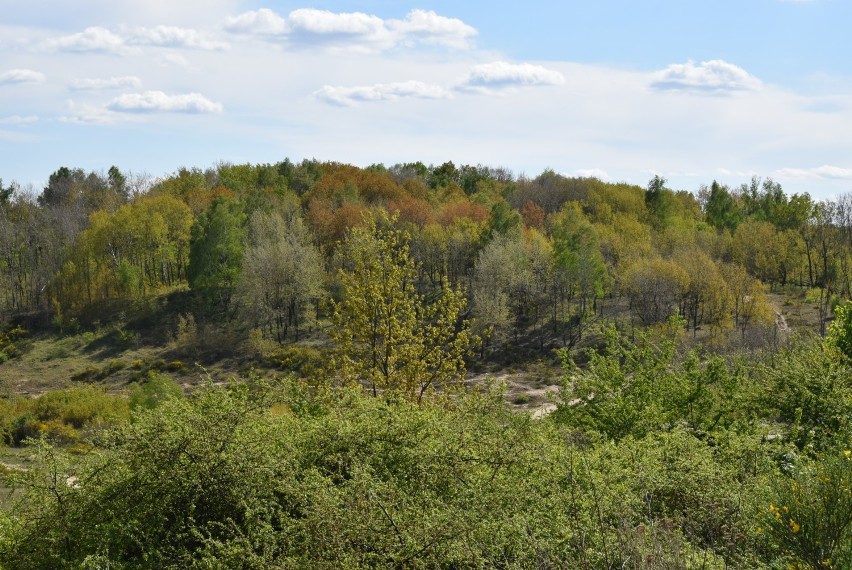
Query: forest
x,y
304,365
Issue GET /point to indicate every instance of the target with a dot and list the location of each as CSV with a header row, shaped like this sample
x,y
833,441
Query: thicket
x,y
693,464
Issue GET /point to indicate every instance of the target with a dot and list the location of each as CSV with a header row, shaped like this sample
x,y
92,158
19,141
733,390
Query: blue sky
x,y
694,90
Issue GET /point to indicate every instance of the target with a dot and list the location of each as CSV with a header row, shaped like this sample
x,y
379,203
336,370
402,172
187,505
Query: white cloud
x,y
18,120
429,27
159,102
93,39
592,173
324,22
348,96
97,39
714,75
353,30
84,114
824,171
96,84
263,22
501,74
21,76
175,37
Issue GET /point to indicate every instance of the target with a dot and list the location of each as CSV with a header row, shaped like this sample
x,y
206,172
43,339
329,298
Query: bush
x,y
304,361
153,391
810,514
60,415
8,336
521,399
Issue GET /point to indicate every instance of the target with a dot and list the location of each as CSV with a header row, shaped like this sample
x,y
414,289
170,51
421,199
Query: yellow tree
x,y
389,337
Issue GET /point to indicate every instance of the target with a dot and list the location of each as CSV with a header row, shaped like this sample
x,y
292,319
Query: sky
x,y
691,90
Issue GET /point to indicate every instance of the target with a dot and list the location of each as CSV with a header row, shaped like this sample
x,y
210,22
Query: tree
x,y
502,221
721,210
660,202
388,336
500,267
216,251
61,187
7,193
580,270
282,273
655,286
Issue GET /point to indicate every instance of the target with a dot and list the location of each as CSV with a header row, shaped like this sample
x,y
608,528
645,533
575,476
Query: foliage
x,y
387,336
810,390
640,385
225,479
282,274
840,331
153,391
9,335
216,252
810,514
62,415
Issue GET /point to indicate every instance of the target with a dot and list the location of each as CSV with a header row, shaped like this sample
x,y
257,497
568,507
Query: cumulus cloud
x,y
174,37
431,28
824,171
501,74
93,39
21,76
159,102
353,30
96,39
263,22
97,84
18,120
349,96
714,76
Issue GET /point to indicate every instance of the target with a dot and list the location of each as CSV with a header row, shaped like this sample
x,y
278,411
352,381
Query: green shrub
x,y
61,415
304,361
88,374
153,391
521,399
8,336
810,514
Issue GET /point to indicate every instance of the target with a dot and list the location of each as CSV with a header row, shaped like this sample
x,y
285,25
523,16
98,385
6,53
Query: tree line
x,y
538,258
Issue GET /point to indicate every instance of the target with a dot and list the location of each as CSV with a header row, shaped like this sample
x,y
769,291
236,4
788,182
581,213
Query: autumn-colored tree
x,y
533,215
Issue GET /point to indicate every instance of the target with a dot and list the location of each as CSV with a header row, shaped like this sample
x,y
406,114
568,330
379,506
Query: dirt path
x,y
523,392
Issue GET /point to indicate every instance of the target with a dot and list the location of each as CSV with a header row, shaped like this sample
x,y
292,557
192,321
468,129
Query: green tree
x,y
721,209
659,201
503,220
388,336
216,251
6,193
581,274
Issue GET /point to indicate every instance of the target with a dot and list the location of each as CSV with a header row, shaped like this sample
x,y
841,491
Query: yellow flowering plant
x,y
810,516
